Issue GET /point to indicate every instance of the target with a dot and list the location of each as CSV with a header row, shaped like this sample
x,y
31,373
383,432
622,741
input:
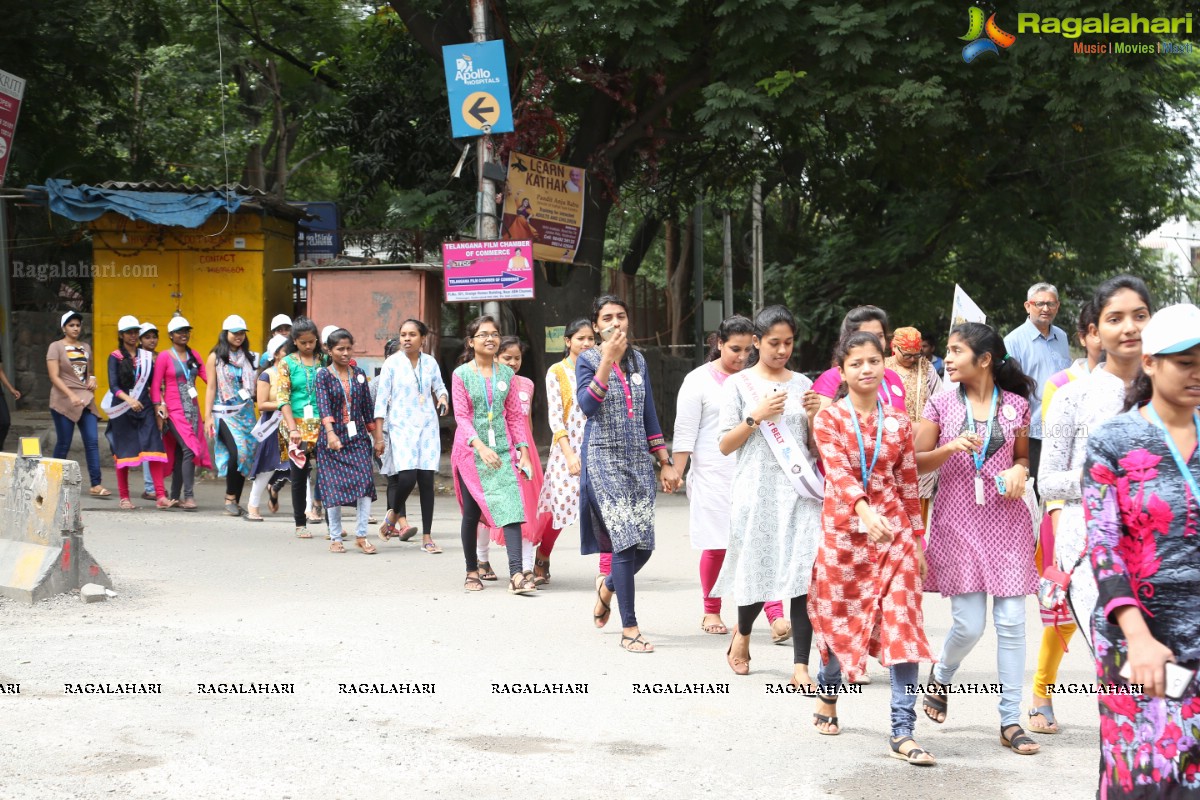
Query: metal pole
x,y
727,265
486,228
698,276
757,239
6,306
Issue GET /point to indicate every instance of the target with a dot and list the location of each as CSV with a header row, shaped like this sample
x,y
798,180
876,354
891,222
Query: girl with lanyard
x,y
300,428
775,521
267,461
1141,498
981,541
148,341
617,487
510,354
229,409
709,484
173,390
560,489
1122,309
73,397
866,594
132,433
873,320
346,476
409,397
486,408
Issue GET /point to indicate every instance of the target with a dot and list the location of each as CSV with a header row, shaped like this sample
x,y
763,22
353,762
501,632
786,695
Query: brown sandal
x,y
473,584
365,546
601,619
486,573
519,584
337,547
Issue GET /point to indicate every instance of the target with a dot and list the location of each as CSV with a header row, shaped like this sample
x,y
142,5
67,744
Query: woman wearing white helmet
x,y
132,433
229,406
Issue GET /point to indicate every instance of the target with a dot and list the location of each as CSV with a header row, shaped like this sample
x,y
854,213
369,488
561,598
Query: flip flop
x,y
303,533
718,628
627,643
1047,712
99,491
431,548
821,719
126,504
407,533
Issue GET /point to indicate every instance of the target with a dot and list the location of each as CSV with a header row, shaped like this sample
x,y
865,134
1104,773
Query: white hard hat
x,y
327,330
234,324
146,328
273,346
280,319
128,323
177,323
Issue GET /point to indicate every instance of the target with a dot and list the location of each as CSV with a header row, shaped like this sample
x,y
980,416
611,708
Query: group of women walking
x,y
842,500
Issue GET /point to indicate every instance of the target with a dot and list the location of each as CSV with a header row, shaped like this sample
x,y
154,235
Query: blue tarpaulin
x,y
86,203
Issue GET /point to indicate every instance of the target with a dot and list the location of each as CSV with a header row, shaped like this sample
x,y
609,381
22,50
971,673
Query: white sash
x,y
792,457
266,426
227,410
145,367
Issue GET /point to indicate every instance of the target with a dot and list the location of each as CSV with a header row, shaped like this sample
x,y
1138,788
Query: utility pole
x,y
486,228
698,276
727,265
757,246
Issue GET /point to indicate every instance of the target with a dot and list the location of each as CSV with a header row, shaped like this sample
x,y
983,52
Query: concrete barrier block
x,y
92,593
41,529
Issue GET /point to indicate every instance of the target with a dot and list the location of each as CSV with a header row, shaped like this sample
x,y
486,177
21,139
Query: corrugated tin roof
x,y
164,186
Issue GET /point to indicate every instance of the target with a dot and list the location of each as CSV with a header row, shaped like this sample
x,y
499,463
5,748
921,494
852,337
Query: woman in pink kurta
x,y
173,390
871,319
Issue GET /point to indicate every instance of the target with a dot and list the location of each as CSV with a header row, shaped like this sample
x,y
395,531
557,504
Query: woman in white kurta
x,y
773,531
560,488
409,398
697,421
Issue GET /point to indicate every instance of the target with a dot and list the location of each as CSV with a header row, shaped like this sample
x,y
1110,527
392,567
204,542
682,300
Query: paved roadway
x,y
205,598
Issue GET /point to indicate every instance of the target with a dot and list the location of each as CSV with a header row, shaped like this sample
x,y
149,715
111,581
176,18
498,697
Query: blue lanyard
x,y
488,398
862,453
187,373
886,388
1157,422
981,456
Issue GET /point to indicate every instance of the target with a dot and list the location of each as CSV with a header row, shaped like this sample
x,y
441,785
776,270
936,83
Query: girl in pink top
x,y
173,390
871,319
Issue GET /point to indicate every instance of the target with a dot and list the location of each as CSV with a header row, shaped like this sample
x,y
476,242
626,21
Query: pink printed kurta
x,y
535,524
164,387
865,598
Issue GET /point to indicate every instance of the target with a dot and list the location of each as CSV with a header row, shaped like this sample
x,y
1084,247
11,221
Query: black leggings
x,y
626,564
235,481
472,513
802,630
400,486
299,478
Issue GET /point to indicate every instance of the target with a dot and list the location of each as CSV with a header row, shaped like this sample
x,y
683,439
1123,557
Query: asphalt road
x,y
208,599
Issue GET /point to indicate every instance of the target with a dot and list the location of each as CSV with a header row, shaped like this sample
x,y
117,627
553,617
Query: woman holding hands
x,y
775,511
617,484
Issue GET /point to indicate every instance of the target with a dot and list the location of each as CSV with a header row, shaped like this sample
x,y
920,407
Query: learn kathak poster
x,y
543,202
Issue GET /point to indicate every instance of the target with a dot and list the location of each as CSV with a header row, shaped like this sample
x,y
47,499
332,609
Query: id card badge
x,y
308,412
351,429
244,393
491,438
979,488
192,393
860,526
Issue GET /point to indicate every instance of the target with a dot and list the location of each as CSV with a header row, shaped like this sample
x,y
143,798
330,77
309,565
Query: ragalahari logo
x,y
984,37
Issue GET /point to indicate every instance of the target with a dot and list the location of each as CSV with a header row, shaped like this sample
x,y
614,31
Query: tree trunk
x,y
679,272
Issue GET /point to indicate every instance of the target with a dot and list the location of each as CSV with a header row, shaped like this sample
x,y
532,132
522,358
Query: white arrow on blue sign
x,y
477,88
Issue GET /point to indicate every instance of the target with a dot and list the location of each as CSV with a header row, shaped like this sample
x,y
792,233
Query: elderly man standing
x,y
1042,349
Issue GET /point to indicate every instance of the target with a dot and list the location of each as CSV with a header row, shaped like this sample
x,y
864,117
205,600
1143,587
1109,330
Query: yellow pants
x,y
1054,646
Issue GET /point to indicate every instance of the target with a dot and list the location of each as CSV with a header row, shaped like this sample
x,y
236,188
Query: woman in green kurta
x,y
486,482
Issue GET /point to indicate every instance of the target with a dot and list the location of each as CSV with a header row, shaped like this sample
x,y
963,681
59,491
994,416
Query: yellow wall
x,y
149,271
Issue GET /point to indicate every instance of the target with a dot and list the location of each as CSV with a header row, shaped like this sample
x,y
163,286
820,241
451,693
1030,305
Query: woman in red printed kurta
x,y
865,597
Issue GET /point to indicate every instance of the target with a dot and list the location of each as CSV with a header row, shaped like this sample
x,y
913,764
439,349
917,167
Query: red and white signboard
x,y
12,89
488,270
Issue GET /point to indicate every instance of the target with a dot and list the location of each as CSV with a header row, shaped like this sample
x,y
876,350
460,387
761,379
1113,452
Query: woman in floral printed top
x,y
1142,503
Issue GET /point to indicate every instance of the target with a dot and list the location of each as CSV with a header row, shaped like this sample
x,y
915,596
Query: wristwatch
x,y
750,422
669,462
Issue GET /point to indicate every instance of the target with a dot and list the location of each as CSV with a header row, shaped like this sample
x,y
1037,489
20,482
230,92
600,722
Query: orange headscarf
x,y
907,339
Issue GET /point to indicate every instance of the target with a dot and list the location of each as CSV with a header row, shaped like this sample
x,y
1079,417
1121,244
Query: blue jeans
x,y
147,482
64,429
904,694
969,614
334,514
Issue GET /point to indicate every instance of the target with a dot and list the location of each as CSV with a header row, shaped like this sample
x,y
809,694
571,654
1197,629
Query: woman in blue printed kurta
x,y
346,474
617,494
409,397
1141,500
